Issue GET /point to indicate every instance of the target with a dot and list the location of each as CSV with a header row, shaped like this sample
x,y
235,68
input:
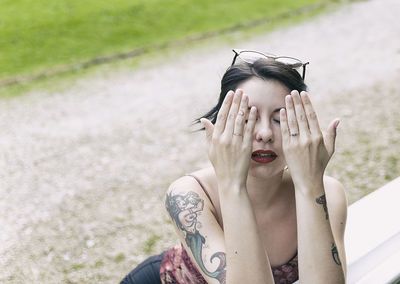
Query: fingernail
x,y
337,123
244,98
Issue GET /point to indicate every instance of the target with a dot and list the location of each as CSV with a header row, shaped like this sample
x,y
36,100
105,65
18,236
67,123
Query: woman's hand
x,y
306,151
230,139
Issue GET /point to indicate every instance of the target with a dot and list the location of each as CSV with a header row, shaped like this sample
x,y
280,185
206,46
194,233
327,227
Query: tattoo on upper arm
x,y
322,200
335,255
184,210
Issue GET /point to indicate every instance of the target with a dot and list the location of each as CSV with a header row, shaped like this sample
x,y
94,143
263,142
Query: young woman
x,y
264,212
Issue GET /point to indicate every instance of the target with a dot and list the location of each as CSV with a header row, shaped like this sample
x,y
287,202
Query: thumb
x,y
209,127
330,136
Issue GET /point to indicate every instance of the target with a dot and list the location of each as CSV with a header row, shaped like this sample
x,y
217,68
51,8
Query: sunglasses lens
x,y
293,62
251,56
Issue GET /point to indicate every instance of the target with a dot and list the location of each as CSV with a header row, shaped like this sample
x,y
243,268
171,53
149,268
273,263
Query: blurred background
x,y
97,98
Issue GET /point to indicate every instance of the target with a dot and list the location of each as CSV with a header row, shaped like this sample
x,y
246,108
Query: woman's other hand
x,y
230,139
307,151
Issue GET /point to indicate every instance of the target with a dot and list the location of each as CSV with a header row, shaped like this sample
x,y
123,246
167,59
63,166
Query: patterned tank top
x,y
177,267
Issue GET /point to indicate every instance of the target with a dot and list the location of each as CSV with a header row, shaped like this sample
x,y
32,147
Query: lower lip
x,y
263,159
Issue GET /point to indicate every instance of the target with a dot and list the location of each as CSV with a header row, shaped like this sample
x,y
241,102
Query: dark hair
x,y
262,68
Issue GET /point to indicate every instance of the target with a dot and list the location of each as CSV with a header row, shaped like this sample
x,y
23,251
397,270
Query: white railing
x,y
372,237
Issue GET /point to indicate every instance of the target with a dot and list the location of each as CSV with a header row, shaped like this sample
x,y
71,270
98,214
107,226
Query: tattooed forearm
x,y
322,200
184,210
335,255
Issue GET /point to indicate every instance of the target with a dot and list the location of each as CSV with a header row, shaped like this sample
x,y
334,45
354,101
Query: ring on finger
x,y
294,134
237,134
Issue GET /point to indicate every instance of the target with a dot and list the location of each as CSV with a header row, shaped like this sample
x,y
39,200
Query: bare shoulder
x,y
190,184
335,192
183,185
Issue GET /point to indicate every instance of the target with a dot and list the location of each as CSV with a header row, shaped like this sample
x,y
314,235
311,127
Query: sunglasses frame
x,y
273,57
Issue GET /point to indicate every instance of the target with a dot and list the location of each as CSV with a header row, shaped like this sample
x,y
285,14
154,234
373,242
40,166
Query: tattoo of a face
x,y
184,210
322,200
335,255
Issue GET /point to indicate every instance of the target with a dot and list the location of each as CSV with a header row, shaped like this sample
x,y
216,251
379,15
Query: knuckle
x,y
231,116
291,148
302,117
317,139
221,115
312,115
224,142
215,140
250,126
305,142
239,120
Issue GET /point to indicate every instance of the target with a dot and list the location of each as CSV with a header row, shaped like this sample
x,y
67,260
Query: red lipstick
x,y
263,156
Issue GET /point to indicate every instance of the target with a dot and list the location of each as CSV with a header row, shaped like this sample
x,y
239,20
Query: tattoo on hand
x,y
335,255
322,200
184,210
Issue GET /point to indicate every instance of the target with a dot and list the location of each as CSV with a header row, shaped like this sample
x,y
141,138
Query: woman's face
x,y
268,96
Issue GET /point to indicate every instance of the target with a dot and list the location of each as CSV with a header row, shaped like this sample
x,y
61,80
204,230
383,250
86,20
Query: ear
x,y
209,128
330,136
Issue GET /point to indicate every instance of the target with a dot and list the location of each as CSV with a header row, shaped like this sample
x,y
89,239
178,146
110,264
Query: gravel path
x,y
83,171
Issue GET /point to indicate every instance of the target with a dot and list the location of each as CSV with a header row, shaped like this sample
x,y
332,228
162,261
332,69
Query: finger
x,y
291,117
330,136
240,118
300,114
230,122
310,113
249,128
222,114
209,127
284,125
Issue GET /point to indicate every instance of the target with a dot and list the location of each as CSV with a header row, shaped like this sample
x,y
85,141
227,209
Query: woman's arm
x,y
201,236
206,242
307,154
320,229
230,146
246,258
336,201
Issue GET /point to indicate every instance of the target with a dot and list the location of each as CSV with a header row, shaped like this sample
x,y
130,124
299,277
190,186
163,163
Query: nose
x,y
263,132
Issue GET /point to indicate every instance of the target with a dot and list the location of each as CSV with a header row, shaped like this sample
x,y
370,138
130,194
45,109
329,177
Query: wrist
x,y
230,187
309,189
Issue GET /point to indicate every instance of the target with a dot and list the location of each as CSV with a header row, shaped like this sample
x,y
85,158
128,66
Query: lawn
x,y
40,35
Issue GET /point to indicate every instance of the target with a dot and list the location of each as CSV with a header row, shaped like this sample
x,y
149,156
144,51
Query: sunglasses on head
x,y
250,56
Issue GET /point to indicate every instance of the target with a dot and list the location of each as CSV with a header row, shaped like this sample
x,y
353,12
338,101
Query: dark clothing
x,y
147,272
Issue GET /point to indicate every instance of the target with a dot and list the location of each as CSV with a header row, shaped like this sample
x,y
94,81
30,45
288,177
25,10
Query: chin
x,y
265,170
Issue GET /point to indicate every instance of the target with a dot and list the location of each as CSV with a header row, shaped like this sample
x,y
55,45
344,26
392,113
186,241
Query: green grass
x,y
77,266
40,35
150,243
120,257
